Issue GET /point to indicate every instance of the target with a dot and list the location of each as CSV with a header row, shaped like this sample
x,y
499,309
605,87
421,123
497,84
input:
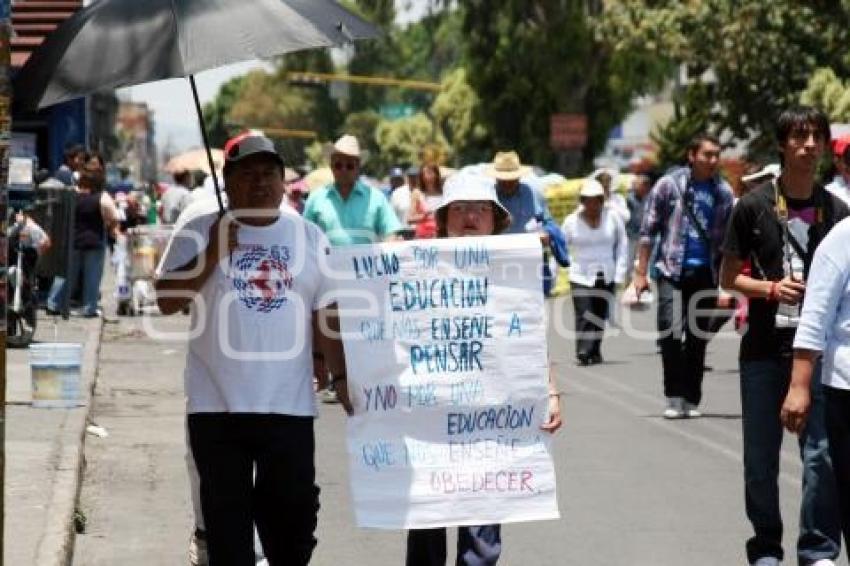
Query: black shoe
x,y
51,312
583,359
595,359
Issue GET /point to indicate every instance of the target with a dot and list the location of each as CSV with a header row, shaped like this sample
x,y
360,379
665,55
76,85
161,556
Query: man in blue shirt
x,y
688,209
528,210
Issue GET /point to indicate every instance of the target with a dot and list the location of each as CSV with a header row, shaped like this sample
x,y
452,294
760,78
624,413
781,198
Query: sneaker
x,y
767,561
675,408
198,549
822,562
691,411
328,396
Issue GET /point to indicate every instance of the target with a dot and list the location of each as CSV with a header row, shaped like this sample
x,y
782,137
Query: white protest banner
x,y
445,344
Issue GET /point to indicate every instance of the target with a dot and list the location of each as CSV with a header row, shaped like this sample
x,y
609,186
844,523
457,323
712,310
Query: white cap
x,y
591,188
468,186
347,145
769,170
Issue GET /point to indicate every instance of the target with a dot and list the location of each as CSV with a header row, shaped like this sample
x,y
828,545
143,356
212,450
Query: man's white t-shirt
x,y
250,346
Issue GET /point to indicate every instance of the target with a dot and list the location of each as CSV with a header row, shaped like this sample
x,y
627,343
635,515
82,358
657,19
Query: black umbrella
x,y
116,43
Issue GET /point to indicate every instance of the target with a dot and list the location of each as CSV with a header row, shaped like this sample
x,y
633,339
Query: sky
x,y
176,122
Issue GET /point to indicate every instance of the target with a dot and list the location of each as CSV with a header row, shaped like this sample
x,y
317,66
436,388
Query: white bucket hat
x,y
468,186
347,145
591,188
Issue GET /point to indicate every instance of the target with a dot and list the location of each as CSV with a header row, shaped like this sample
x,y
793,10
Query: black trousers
x,y
838,435
476,546
282,500
684,330
591,306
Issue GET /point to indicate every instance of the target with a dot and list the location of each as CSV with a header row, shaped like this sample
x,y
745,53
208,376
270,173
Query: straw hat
x,y
347,145
507,167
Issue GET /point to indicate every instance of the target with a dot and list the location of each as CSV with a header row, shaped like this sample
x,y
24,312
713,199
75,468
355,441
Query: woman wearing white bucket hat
x,y
598,248
470,207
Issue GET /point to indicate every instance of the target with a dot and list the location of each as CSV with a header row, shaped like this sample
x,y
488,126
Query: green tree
x,y
691,116
826,91
454,111
216,112
761,54
528,60
405,140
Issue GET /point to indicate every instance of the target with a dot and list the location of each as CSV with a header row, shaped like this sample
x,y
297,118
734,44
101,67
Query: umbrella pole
x,y
207,144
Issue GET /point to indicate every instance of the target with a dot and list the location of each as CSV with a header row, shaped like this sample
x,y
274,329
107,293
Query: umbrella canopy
x,y
116,43
194,160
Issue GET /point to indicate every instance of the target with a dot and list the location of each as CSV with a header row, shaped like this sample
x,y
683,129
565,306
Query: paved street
x,y
633,488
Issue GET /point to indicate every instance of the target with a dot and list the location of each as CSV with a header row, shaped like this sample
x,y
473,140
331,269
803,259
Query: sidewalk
x,y
44,448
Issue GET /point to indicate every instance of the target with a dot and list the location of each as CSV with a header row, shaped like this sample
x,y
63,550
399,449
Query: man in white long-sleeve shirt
x,y
598,248
824,335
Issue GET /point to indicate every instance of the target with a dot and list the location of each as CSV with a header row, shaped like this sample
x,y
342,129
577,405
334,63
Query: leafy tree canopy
x,y
761,53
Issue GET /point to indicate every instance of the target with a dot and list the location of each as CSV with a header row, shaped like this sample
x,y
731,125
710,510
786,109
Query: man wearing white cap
x,y
348,210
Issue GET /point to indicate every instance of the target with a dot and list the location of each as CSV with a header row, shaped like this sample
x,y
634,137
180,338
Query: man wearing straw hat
x,y
528,209
348,210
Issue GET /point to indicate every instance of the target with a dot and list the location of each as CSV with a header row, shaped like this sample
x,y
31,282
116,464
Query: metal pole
x,y
206,144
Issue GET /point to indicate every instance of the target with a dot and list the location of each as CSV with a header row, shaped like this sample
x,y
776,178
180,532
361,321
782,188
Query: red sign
x,y
568,131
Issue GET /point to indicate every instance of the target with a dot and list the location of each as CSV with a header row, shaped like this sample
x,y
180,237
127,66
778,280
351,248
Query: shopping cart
x,y
135,271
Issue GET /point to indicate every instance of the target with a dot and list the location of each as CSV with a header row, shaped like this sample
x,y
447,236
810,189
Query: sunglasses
x,y
342,165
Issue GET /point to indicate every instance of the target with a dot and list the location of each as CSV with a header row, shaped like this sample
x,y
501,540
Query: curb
x,y
56,547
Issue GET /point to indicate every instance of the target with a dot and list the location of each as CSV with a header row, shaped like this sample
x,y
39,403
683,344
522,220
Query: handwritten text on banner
x,y
446,352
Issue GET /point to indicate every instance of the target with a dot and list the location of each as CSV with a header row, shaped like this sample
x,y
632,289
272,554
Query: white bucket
x,y
55,369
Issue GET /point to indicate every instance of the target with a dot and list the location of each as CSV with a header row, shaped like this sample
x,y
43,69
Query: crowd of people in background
x,y
711,252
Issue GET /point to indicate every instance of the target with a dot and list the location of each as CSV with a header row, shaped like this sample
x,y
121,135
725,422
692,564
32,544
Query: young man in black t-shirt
x,y
778,226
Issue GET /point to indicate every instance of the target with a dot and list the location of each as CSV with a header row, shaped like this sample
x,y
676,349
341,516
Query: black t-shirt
x,y
755,233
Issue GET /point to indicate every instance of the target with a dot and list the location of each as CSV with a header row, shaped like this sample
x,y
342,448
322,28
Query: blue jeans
x,y
91,264
764,384
476,546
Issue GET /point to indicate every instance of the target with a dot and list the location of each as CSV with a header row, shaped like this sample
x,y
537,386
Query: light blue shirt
x,y
364,217
825,319
524,204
